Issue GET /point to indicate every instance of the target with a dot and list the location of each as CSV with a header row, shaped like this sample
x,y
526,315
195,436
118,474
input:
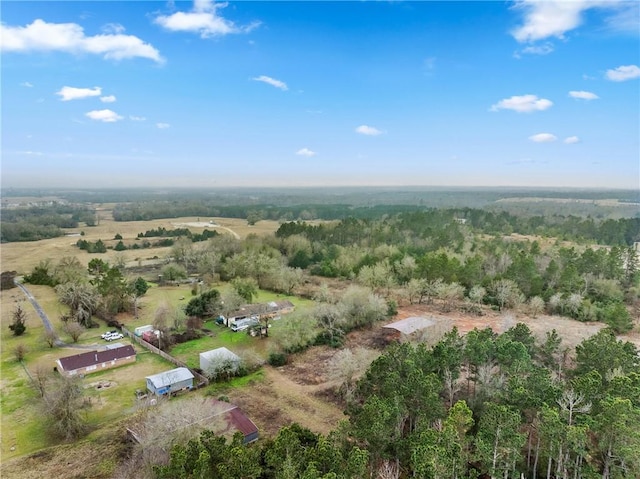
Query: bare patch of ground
x,y
572,332
280,400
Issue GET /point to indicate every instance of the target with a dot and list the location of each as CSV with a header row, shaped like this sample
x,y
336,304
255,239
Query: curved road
x,y
45,319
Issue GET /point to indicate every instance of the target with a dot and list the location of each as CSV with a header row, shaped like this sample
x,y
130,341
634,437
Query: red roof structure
x,y
235,420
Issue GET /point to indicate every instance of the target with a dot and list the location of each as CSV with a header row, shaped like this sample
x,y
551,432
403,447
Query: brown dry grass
x,y
23,256
280,400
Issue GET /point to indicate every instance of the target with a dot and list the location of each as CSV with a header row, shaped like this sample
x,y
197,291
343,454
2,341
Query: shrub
x,y
277,359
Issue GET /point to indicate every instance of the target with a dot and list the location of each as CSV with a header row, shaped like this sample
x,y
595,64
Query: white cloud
x,y
543,49
70,93
572,140
163,126
623,73
583,95
272,81
368,130
112,28
107,116
70,37
553,18
29,153
26,84
108,99
306,152
523,104
136,118
543,138
204,20
626,19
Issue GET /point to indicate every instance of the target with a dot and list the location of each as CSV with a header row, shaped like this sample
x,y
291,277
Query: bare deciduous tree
x,y
536,306
41,375
157,428
573,402
449,294
346,366
75,330
63,403
50,338
20,351
506,293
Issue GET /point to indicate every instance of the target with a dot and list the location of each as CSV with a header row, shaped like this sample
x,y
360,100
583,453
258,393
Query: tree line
x,y
36,223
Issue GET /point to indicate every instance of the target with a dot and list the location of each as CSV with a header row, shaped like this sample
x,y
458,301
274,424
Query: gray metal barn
x,y
170,381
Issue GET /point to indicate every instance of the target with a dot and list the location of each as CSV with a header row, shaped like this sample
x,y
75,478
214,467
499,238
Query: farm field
x,y
23,256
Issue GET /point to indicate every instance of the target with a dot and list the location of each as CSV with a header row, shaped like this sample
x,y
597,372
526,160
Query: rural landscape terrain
x,y
378,333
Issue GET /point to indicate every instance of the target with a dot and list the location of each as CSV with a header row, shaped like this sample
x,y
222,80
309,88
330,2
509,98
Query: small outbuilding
x,y
233,419
170,382
219,359
418,328
94,361
142,329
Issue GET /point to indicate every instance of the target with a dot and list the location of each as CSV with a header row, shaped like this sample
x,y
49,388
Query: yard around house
x,y
21,418
111,392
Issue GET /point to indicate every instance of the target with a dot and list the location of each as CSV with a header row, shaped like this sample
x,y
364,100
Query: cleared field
x,y
23,256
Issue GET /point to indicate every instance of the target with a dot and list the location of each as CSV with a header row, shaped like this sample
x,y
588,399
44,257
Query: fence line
x,y
202,380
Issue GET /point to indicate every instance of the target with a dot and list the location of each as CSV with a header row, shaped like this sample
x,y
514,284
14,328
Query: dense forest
x,y
482,405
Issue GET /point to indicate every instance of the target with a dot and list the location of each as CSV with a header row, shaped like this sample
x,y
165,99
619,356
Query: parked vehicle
x,y
108,333
115,336
244,324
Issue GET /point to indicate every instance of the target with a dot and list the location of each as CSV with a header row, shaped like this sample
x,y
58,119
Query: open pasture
x,y
23,256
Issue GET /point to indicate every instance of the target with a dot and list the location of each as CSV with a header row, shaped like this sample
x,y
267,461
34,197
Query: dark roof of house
x,y
234,418
241,422
91,358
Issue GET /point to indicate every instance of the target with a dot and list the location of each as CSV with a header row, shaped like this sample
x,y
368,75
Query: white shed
x,y
219,359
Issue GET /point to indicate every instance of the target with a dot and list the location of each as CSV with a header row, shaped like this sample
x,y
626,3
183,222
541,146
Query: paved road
x,y
45,319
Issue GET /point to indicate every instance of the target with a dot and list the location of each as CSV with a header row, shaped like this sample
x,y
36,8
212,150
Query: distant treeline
x,y
166,235
161,210
426,196
611,231
444,227
177,232
41,222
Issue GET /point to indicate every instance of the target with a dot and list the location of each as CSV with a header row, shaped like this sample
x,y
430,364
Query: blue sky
x,y
527,93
